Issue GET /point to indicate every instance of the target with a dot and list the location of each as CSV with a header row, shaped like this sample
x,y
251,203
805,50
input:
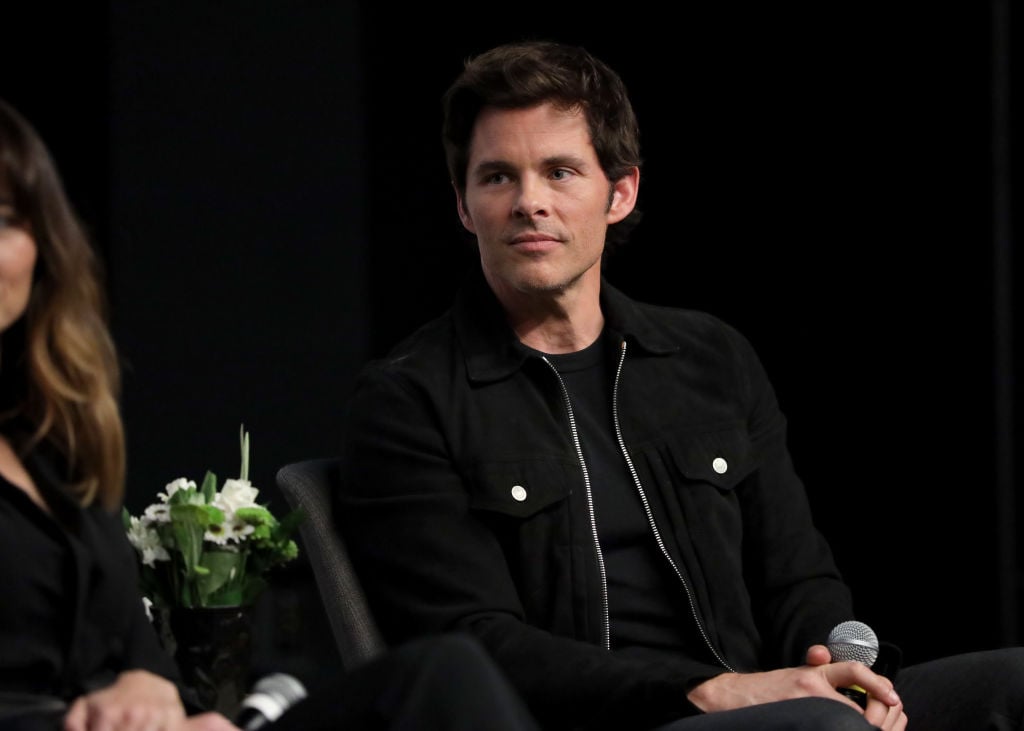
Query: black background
x,y
266,183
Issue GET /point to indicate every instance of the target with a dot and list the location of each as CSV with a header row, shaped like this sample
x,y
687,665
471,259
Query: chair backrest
x,y
308,485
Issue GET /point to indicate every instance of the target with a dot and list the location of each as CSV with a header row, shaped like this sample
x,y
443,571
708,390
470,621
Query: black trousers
x,y
443,683
982,691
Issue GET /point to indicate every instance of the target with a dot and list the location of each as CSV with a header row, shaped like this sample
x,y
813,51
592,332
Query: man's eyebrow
x,y
573,161
489,166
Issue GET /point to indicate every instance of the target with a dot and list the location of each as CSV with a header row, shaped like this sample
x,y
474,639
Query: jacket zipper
x,y
650,515
605,621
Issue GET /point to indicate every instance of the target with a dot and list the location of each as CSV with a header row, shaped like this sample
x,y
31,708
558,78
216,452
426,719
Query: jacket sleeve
x,y
429,565
792,574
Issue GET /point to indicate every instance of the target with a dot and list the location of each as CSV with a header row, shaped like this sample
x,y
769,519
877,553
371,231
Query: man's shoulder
x,y
683,317
673,324
423,347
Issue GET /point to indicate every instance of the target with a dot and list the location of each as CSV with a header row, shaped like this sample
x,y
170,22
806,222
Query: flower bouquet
x,y
200,547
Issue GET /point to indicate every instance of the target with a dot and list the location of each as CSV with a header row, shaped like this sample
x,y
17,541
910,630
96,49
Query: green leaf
x,y
255,514
209,487
224,570
252,590
290,523
244,439
189,523
228,596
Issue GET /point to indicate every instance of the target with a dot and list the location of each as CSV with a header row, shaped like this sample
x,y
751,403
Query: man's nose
x,y
532,199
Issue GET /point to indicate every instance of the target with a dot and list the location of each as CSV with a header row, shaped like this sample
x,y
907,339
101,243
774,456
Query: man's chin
x,y
536,282
543,285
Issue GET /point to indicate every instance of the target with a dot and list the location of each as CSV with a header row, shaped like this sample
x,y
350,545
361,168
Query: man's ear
x,y
623,196
464,216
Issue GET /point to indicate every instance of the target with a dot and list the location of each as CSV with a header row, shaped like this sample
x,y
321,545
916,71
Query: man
x,y
598,489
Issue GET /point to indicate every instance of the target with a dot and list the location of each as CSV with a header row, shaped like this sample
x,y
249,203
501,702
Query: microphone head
x,y
288,689
855,641
271,696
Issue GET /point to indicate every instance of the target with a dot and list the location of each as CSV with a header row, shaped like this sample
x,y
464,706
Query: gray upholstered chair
x,y
308,485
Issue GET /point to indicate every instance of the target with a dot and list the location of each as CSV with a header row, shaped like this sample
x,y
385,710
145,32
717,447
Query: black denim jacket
x,y
464,506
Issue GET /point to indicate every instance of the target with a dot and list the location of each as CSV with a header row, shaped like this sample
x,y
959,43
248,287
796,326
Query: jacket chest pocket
x,y
700,472
520,489
720,458
527,505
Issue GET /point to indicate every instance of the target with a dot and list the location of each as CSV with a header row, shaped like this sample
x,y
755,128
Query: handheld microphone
x,y
271,696
854,641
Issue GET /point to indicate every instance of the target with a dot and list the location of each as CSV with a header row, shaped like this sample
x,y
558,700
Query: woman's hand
x,y
209,722
137,701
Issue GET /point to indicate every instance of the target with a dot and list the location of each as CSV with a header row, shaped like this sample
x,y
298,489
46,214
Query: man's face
x,y
538,201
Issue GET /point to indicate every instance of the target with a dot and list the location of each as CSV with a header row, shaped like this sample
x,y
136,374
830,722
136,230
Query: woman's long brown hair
x,y
60,367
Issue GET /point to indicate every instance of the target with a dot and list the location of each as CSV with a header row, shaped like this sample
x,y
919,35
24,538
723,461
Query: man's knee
x,y
823,714
455,647
453,654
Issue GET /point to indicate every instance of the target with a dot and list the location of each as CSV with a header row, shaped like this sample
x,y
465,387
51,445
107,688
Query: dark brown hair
x,y
60,372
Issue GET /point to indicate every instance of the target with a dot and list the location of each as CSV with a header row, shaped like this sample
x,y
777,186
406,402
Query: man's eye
x,y
560,174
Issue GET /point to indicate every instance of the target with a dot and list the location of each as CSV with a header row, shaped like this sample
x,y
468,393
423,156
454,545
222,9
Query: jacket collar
x,y
493,352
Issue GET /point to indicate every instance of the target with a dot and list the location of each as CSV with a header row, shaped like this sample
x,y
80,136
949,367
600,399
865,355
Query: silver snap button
x,y
518,493
719,465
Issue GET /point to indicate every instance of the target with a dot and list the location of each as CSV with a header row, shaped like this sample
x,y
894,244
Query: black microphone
x,y
271,696
854,641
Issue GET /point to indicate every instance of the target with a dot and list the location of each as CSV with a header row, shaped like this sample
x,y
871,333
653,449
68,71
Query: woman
x,y
77,650
76,638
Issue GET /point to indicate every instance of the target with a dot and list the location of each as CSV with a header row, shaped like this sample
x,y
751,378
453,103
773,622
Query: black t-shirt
x,y
647,604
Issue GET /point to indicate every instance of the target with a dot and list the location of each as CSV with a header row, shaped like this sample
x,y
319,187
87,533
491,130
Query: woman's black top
x,y
71,614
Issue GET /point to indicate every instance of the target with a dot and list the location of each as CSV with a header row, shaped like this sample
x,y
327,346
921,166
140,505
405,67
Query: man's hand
x,y
882,714
138,701
819,677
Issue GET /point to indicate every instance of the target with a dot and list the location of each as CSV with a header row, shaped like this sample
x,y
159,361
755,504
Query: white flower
x,y
216,533
234,495
157,513
146,542
237,530
172,487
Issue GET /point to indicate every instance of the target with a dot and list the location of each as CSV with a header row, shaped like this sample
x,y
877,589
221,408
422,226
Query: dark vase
x,y
213,649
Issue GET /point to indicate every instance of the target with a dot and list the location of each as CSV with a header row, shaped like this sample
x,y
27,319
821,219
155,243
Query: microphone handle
x,y
857,694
